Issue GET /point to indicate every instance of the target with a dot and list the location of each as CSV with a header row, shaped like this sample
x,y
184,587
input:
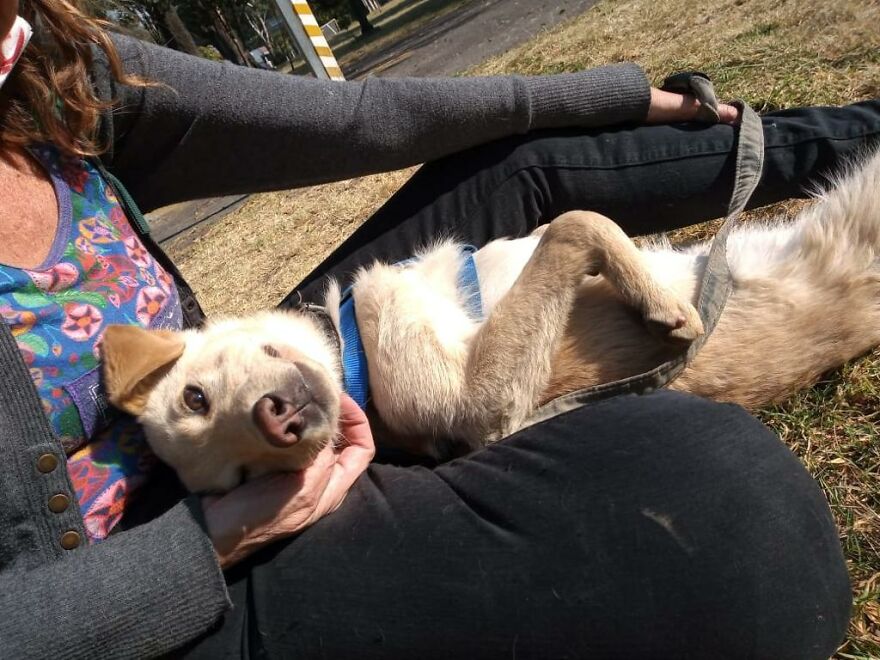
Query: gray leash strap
x,y
715,284
698,84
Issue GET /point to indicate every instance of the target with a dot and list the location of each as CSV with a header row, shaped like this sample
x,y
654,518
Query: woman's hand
x,y
669,107
280,505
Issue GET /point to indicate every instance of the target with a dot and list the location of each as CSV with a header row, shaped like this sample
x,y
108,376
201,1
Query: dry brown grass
x,y
774,54
252,258
396,20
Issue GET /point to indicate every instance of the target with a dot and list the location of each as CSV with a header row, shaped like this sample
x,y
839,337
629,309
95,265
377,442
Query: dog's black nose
x,y
279,420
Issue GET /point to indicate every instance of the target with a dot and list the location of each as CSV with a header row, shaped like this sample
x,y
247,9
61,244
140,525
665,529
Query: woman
x,y
656,526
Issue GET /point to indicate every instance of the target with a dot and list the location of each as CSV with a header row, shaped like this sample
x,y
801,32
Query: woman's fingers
x,y
353,424
669,107
268,508
728,114
281,505
352,458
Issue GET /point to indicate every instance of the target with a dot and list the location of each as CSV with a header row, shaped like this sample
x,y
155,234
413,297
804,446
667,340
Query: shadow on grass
x,y
395,26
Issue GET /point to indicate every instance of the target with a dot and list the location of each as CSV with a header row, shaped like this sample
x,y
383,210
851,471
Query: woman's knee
x,y
713,514
656,526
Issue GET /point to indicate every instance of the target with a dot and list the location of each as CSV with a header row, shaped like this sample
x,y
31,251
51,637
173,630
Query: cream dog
x,y
571,306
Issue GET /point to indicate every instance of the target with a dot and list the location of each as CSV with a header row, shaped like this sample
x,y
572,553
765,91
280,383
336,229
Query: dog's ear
x,y
135,360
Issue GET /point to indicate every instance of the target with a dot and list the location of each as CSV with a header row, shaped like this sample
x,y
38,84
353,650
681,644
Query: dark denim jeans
x,y
661,526
648,179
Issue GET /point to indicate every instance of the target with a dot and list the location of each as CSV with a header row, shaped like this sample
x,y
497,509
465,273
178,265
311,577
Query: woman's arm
x,y
141,593
148,590
214,129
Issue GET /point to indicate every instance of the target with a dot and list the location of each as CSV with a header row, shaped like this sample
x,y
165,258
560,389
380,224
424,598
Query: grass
x,y
774,54
274,240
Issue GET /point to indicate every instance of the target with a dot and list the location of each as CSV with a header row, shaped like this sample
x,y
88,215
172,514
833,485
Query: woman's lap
x,y
655,526
648,179
659,526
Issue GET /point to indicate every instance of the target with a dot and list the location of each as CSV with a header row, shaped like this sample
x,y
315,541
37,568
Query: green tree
x,y
184,24
258,14
233,27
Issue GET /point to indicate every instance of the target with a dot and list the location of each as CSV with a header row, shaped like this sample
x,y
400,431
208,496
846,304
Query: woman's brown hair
x,y
49,95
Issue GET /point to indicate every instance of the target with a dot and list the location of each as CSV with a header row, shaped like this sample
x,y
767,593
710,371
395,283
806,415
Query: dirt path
x,y
449,44
466,37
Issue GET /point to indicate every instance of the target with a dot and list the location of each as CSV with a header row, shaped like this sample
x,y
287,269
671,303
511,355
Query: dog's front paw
x,y
673,320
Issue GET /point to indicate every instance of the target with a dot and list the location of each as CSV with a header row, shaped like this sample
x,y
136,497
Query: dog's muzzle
x,y
279,419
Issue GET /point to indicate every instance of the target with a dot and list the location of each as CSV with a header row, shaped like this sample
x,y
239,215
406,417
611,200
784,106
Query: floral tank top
x,y
96,274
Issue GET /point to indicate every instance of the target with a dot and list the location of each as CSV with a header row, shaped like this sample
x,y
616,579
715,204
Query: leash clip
x,y
323,316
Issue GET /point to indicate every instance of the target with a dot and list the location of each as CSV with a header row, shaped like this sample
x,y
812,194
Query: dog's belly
x,y
604,341
417,336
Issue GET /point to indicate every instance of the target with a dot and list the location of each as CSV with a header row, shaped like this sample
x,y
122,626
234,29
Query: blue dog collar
x,y
355,373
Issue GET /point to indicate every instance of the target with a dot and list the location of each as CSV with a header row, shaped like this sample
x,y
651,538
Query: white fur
x,y
806,298
215,451
831,246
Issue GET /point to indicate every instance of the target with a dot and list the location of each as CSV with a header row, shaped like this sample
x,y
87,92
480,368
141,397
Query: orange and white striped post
x,y
309,39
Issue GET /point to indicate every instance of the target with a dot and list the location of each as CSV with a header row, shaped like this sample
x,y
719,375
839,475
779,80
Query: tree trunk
x,y
179,32
258,25
360,13
237,27
221,27
154,22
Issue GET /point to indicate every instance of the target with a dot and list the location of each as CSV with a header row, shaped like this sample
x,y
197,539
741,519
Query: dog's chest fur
x,y
804,300
417,335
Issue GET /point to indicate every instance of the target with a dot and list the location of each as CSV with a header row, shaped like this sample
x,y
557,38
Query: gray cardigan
x,y
214,129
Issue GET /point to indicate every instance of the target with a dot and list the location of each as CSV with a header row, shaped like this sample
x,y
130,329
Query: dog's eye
x,y
195,399
271,351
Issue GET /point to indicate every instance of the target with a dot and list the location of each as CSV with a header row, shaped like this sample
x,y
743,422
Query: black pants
x,y
647,179
661,526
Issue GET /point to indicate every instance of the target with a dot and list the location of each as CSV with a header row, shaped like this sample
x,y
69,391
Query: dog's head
x,y
240,398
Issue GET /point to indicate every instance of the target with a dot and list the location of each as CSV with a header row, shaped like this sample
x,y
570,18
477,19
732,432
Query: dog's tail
x,y
837,239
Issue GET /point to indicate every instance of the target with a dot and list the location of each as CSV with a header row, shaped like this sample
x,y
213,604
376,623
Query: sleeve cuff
x,y
608,95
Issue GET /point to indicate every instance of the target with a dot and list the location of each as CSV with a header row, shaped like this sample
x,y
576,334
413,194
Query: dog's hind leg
x,y
509,362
